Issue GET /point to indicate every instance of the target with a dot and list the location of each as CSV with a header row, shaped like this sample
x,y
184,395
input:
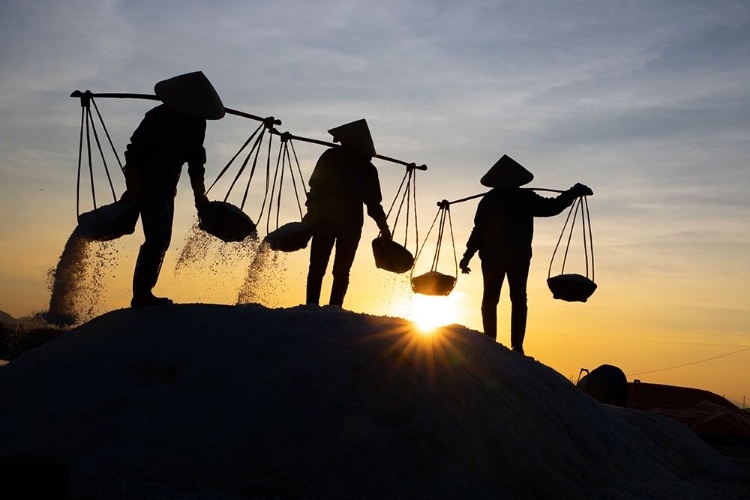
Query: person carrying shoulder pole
x,y
502,234
169,136
343,180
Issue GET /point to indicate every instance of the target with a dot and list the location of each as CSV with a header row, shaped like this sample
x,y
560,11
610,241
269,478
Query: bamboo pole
x,y
287,136
119,95
443,202
270,120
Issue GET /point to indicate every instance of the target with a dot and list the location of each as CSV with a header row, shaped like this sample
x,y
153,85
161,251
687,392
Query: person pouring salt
x,y
169,136
502,234
343,180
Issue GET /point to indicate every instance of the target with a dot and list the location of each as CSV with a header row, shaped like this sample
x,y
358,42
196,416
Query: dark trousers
x,y
320,252
493,277
157,215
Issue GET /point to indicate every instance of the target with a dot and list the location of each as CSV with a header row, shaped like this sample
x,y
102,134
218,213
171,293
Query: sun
x,y
429,313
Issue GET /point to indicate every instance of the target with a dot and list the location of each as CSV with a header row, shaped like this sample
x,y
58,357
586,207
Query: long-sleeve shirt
x,y
162,143
342,181
504,223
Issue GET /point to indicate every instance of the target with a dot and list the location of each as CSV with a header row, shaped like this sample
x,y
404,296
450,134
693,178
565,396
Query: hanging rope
x,y
89,124
87,97
224,220
286,159
244,163
283,163
407,194
433,282
390,255
580,205
574,287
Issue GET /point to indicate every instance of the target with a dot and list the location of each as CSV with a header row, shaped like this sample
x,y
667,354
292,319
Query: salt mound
x,y
208,401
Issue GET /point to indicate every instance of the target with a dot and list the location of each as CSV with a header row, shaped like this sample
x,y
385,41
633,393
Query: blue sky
x,y
645,101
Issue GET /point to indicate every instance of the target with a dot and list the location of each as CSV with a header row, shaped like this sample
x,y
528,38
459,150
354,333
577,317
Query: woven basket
x,y
391,256
225,221
571,287
433,283
290,237
108,222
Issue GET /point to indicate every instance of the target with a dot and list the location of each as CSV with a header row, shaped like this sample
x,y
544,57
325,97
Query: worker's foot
x,y
148,300
518,349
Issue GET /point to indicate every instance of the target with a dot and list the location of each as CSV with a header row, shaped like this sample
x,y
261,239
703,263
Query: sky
x,y
645,102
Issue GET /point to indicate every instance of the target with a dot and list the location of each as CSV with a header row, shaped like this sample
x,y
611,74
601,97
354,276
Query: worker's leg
x,y
157,215
320,253
493,283
346,249
518,276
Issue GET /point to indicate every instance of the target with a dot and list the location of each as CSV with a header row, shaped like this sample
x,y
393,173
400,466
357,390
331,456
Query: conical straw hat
x,y
506,172
355,134
191,94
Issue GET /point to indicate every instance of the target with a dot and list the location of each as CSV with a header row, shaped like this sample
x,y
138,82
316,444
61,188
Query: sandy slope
x,y
209,401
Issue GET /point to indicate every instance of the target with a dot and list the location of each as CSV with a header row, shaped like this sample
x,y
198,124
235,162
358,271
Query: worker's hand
x,y
311,216
200,199
581,190
464,265
133,185
128,197
385,231
313,212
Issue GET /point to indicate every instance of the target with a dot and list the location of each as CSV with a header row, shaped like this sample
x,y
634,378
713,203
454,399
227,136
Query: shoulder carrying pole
x,y
150,97
446,202
288,136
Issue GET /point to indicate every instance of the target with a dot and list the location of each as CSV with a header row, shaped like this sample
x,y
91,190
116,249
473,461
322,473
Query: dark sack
x,y
290,237
607,384
571,287
225,221
391,256
433,283
108,222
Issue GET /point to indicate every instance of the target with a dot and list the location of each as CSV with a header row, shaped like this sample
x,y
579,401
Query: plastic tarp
x,y
702,411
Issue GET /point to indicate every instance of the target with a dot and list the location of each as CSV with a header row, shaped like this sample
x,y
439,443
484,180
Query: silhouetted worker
x,y
503,230
343,180
170,135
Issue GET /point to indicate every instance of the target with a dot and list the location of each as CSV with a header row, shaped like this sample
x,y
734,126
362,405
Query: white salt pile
x,y
219,402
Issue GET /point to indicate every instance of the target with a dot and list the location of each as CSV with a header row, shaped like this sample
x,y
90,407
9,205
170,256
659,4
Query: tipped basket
x,y
225,221
391,256
290,237
108,222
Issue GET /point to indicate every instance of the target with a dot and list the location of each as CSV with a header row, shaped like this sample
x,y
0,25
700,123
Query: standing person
x,y
343,180
503,230
170,135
